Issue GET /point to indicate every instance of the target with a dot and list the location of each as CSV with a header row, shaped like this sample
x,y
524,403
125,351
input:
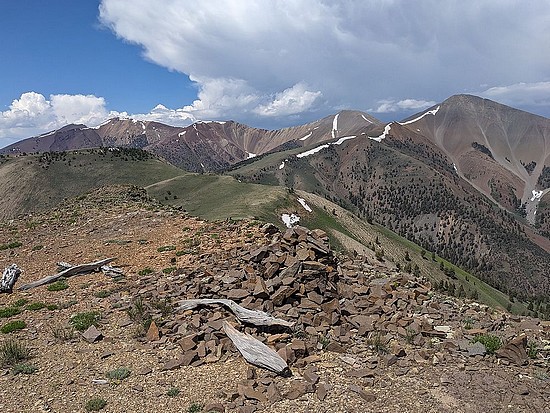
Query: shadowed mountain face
x,y
501,151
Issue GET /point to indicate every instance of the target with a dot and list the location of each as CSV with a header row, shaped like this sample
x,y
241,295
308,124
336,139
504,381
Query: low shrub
x,y
118,374
492,343
13,352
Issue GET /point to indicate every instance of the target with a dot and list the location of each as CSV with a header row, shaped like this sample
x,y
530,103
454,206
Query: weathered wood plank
x,y
255,317
68,272
256,352
9,277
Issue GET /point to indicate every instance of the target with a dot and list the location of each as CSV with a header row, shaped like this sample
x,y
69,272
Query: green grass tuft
x,y
492,343
13,352
13,326
118,374
95,404
173,392
166,248
24,368
195,408
82,321
145,271
9,312
58,286
21,302
103,293
11,245
36,306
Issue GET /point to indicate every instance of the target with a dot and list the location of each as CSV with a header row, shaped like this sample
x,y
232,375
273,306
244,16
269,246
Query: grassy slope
x,y
28,185
220,197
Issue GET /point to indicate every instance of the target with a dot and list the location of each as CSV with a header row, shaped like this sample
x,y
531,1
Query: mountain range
x,y
467,179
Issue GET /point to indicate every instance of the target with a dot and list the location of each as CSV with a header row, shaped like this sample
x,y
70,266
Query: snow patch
x,y
430,112
251,155
210,121
307,136
302,201
363,116
342,140
335,126
311,151
454,166
317,149
290,219
384,134
282,165
536,194
182,133
47,134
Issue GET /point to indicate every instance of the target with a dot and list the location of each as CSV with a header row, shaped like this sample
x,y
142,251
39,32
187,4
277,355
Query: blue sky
x,y
59,46
267,63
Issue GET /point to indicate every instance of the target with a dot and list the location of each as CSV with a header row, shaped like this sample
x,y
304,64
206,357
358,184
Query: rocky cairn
x,y
373,316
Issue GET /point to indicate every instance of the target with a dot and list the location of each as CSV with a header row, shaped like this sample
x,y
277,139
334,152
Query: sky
x,y
266,63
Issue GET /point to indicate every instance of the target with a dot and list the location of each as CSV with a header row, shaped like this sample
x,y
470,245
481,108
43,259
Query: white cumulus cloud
x,y
397,56
33,114
521,94
296,99
161,114
388,105
222,97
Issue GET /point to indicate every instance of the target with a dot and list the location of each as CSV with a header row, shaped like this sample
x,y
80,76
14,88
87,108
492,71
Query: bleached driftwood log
x,y
9,277
256,352
68,272
255,317
105,269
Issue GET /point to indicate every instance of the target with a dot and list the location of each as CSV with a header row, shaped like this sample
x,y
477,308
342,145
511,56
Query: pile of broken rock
x,y
374,317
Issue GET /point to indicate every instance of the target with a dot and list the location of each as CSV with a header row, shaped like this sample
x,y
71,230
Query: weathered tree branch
x,y
67,272
255,317
256,352
9,277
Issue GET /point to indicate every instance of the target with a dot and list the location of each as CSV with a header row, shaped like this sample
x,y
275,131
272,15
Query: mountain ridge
x,y
463,178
